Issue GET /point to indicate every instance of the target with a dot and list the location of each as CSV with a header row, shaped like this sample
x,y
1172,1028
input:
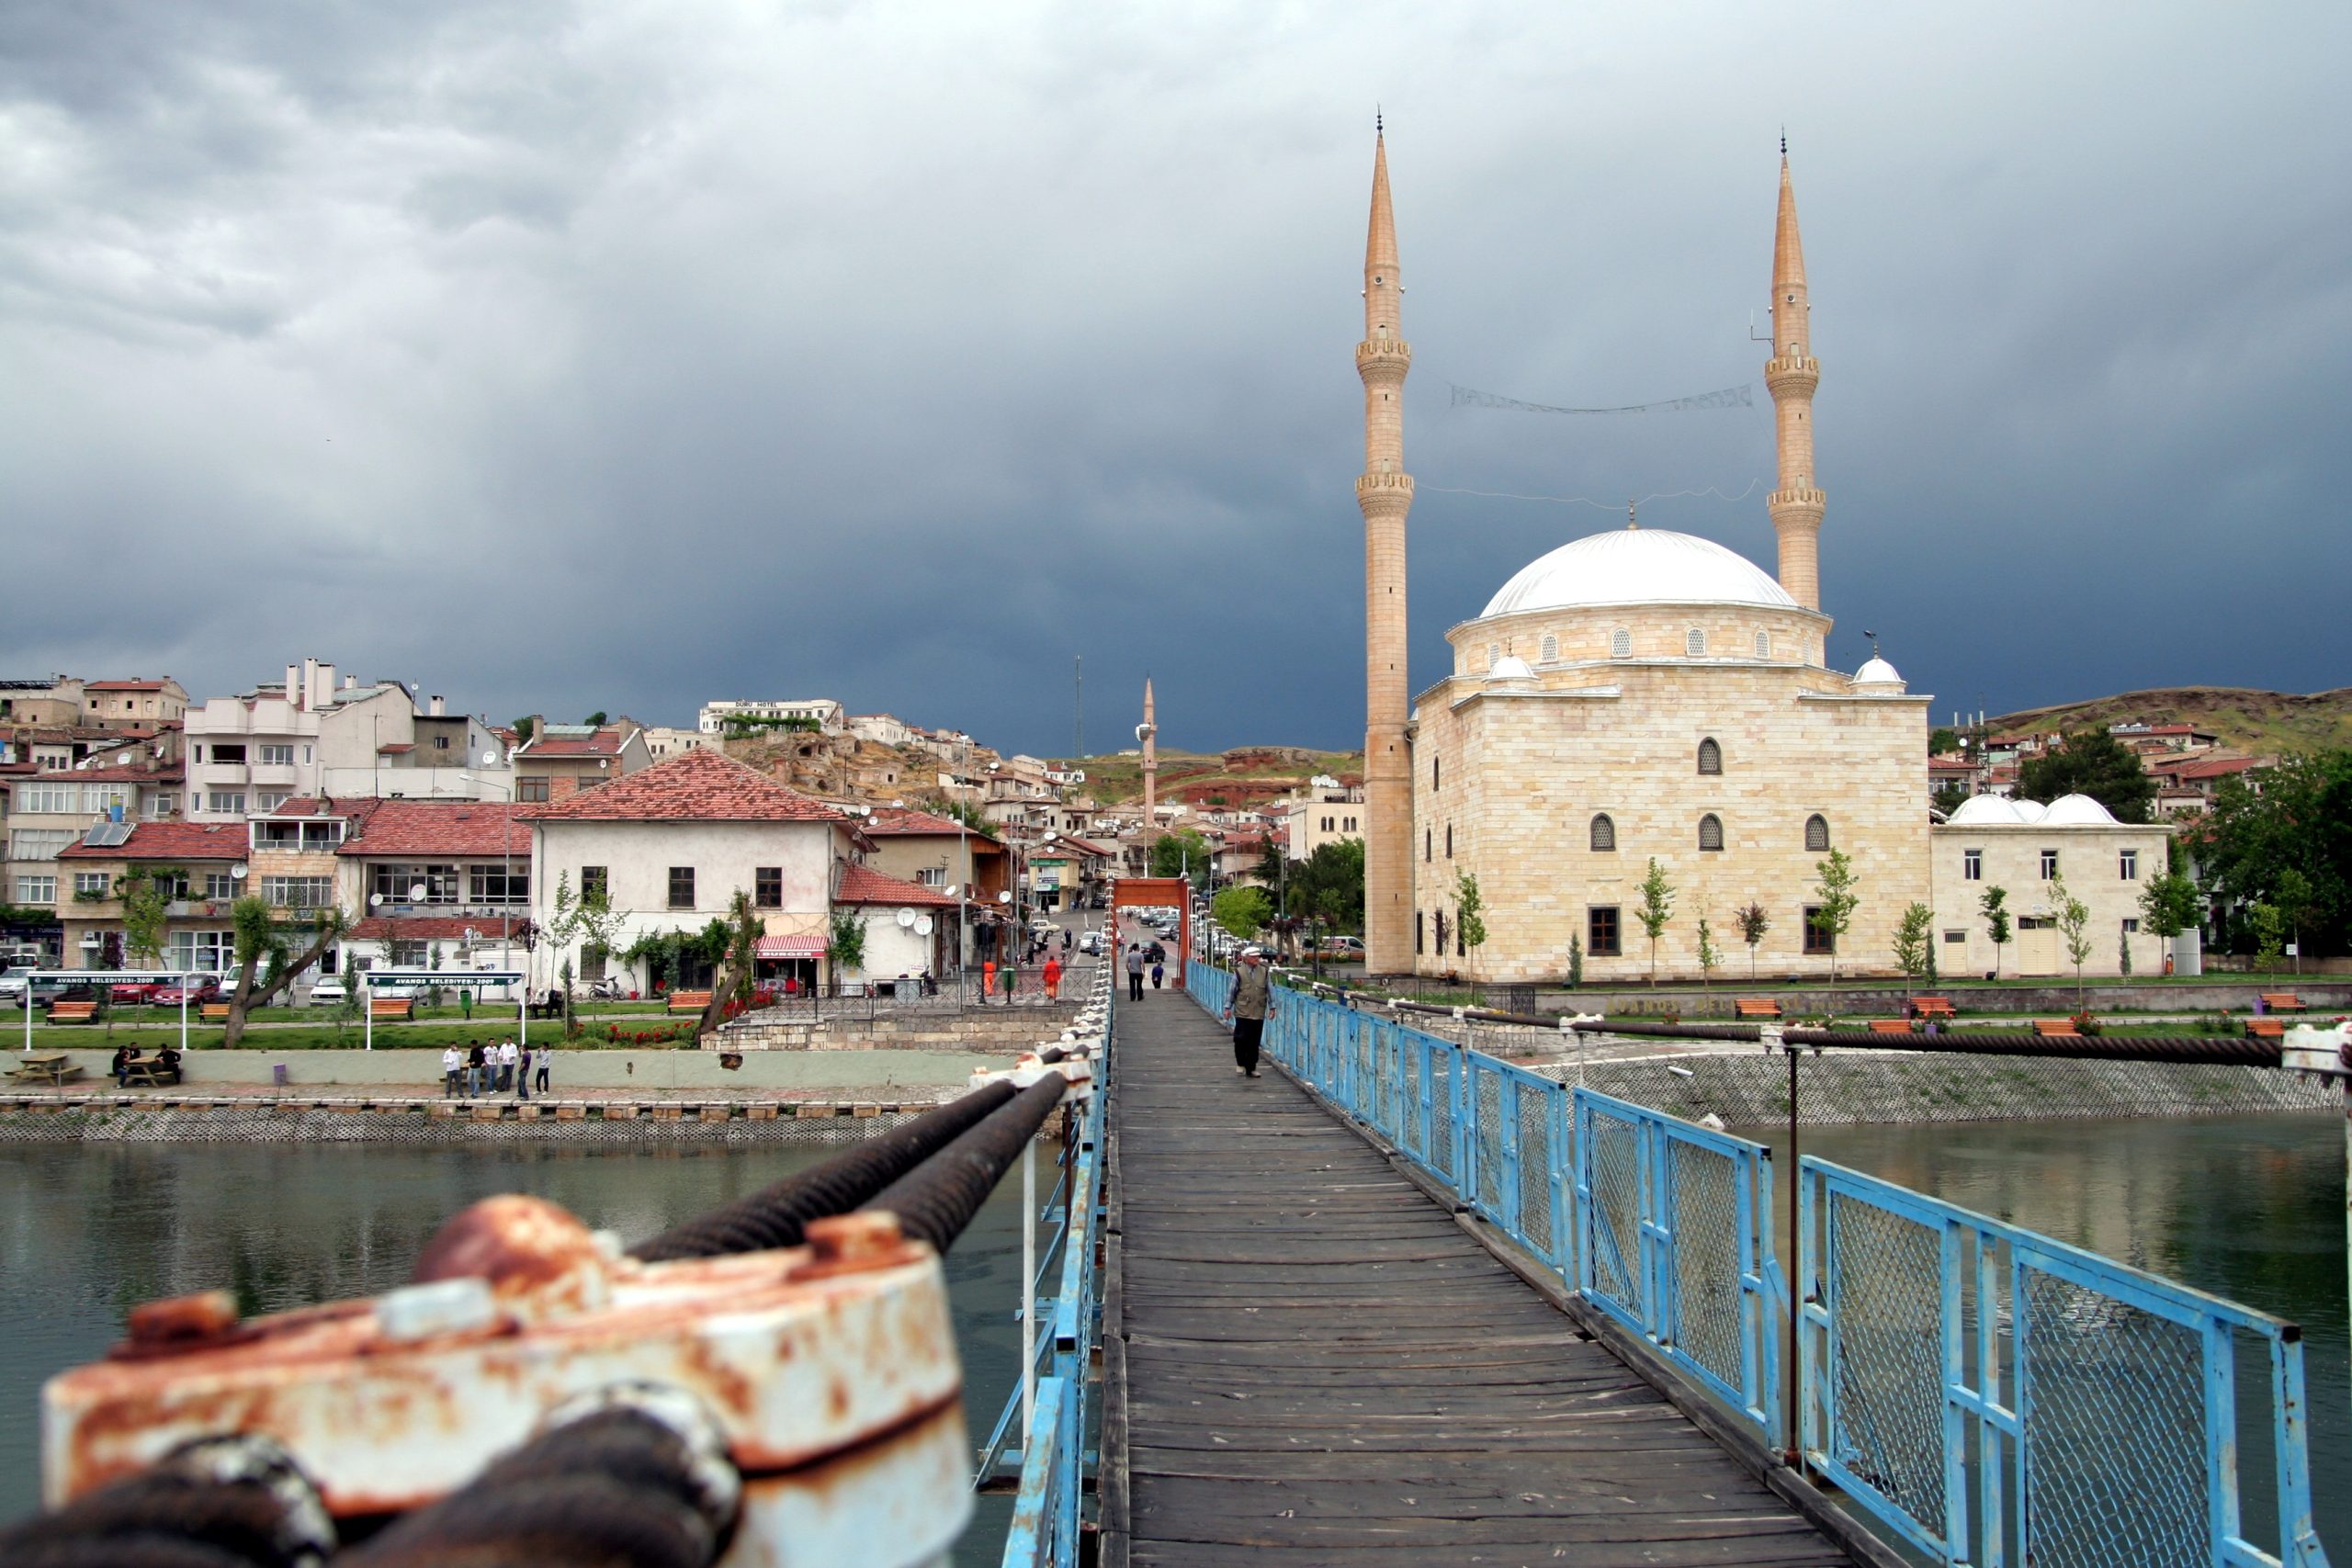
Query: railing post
x,y
1465,1122
1507,1106
1564,1202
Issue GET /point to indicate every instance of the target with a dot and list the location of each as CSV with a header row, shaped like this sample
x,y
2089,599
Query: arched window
x,y
1494,653
1620,644
1604,832
1551,648
1816,832
1428,839
1694,643
1437,773
1711,831
1711,756
1763,645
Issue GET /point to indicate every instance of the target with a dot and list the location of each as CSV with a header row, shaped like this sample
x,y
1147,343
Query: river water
x,y
88,1231
2249,1208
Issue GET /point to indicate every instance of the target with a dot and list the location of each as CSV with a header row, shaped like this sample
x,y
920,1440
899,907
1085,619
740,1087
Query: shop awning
x,y
790,947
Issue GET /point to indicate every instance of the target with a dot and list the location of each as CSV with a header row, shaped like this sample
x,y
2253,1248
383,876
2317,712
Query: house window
x,y
932,877
531,788
1694,643
1428,839
2130,925
90,883
682,887
1620,644
1711,756
271,799
45,798
2127,864
1449,840
1437,773
164,806
1600,931
220,886
2050,865
1711,831
1550,647
2035,923
227,802
595,882
275,756
99,800
1421,931
36,890
306,756
500,884
228,753
1972,866
1816,832
298,892
440,743
1952,937
397,883
767,886
39,843
1763,645
409,952
1352,825
1604,832
1818,937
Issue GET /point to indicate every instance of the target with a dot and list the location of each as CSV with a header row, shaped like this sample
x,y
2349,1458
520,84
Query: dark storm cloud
x,y
572,356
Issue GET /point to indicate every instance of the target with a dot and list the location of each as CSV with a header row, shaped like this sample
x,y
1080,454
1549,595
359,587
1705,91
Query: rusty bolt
x,y
853,1239
182,1320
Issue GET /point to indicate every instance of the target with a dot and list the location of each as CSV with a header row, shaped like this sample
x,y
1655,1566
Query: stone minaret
x,y
1791,375
1148,732
1385,494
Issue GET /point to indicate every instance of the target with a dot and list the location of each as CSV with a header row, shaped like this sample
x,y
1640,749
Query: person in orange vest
x,y
987,980
1052,979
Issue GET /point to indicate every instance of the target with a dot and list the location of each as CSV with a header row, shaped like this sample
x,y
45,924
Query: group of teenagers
x,y
477,1069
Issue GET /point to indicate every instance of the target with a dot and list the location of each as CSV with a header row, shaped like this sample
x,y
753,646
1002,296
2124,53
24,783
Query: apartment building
x,y
135,704
822,712
201,869
560,760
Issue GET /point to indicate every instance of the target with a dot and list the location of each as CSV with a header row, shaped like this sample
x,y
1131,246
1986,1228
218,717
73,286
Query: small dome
x,y
1877,673
1510,667
1638,565
2076,811
1993,811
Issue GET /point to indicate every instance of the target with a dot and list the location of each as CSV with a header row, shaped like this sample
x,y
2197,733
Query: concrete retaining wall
x,y
611,1067
1004,1031
2041,1001
357,1120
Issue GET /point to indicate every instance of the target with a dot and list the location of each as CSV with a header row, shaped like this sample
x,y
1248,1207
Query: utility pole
x,y
1078,747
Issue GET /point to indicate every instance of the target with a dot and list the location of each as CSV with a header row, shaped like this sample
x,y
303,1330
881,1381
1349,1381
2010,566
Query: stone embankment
x,y
994,1030
1882,1000
165,1116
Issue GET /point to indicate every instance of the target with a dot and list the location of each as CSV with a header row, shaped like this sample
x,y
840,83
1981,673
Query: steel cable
x,y
775,1215
236,1502
937,1200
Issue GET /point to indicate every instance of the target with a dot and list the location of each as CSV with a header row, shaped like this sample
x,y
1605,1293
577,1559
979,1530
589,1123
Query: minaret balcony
x,y
1796,502
1791,373
1384,358
1383,489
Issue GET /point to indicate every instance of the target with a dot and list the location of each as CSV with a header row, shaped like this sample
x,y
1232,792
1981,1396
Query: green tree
x,y
1751,924
1175,855
734,982
1709,954
595,719
1994,907
1941,740
2294,900
1576,960
2074,919
1468,911
1242,910
146,905
2092,762
2269,935
1915,942
261,938
1656,909
1329,883
1836,895
1950,798
2170,904
845,943
2298,818
2123,954
523,728
348,1011
591,920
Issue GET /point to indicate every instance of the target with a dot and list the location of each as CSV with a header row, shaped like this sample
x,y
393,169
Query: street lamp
x,y
507,883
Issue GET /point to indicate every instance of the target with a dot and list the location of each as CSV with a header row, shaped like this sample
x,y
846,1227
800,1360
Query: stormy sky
x,y
618,356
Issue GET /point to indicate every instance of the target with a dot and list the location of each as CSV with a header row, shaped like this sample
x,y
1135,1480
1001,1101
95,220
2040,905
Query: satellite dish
x,y
922,925
1005,896
906,919
489,759
237,872
375,900
416,892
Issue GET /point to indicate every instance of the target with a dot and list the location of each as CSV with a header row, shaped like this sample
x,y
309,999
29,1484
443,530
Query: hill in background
x,y
1243,773
2245,719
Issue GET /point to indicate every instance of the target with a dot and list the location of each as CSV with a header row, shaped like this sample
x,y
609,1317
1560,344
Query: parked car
x,y
131,993
14,981
328,992
1091,943
196,988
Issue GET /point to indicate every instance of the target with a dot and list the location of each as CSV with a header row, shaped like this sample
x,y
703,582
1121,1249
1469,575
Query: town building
x,y
1324,813
135,704
250,753
559,761
430,883
48,811
1069,872
974,869
667,740
822,714
202,867
908,927
2031,851
881,729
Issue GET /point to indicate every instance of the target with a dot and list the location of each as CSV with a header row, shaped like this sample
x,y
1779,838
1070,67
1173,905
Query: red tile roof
x,y
604,743
122,685
862,886
906,819
440,828
169,840
425,927
696,786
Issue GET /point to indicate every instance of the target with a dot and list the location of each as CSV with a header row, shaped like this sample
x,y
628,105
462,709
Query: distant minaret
x,y
1791,375
1385,494
1146,732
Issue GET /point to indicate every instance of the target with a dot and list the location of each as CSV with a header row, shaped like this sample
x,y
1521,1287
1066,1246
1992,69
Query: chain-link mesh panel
x,y
1486,1107
2114,1449
1387,1078
1709,1328
1888,1379
1537,1224
1441,1068
1414,1061
1612,1156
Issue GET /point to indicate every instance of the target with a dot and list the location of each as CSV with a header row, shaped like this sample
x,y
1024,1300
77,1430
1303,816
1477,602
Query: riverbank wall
x,y
171,1119
2055,999
880,1073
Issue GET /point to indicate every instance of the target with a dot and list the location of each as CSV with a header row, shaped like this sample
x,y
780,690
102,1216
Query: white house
x,y
2028,850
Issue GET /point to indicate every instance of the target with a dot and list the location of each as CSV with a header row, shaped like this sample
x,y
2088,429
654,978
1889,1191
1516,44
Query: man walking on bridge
x,y
1252,999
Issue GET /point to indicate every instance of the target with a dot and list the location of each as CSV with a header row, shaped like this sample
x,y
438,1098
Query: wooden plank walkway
x,y
1307,1362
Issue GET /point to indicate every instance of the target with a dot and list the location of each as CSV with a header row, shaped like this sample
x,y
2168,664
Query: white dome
x,y
1638,565
2077,811
1877,673
1510,667
1991,810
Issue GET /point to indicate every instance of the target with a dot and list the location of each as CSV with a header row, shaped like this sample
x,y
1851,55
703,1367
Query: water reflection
x,y
88,1231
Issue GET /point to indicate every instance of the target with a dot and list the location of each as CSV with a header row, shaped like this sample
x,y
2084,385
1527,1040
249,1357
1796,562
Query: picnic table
x,y
48,1066
148,1072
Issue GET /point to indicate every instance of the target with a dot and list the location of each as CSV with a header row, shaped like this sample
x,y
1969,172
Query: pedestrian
x,y
505,1065
523,1075
120,1066
1052,979
546,1062
1158,972
988,980
1246,1009
475,1057
453,1061
1134,971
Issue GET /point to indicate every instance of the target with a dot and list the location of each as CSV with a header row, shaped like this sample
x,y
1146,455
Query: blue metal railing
x,y
1992,1395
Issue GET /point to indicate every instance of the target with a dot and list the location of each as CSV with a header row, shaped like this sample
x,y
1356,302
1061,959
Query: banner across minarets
x,y
1385,494
1791,376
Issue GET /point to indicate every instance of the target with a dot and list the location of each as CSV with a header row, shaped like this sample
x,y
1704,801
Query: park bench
x,y
1890,1026
1931,1006
401,1007
2056,1029
1758,1007
689,1002
213,1012
2266,1027
51,1068
72,1012
2282,1002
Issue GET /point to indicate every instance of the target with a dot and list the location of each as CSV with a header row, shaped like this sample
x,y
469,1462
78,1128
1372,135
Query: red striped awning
x,y
791,947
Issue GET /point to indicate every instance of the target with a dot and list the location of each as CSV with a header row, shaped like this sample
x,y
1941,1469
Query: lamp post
x,y
506,883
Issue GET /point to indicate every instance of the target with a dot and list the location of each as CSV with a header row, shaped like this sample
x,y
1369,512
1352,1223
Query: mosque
x,y
1642,694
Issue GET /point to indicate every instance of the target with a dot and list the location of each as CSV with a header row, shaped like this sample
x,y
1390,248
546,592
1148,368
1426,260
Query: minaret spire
x,y
1148,732
1385,494
1791,375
